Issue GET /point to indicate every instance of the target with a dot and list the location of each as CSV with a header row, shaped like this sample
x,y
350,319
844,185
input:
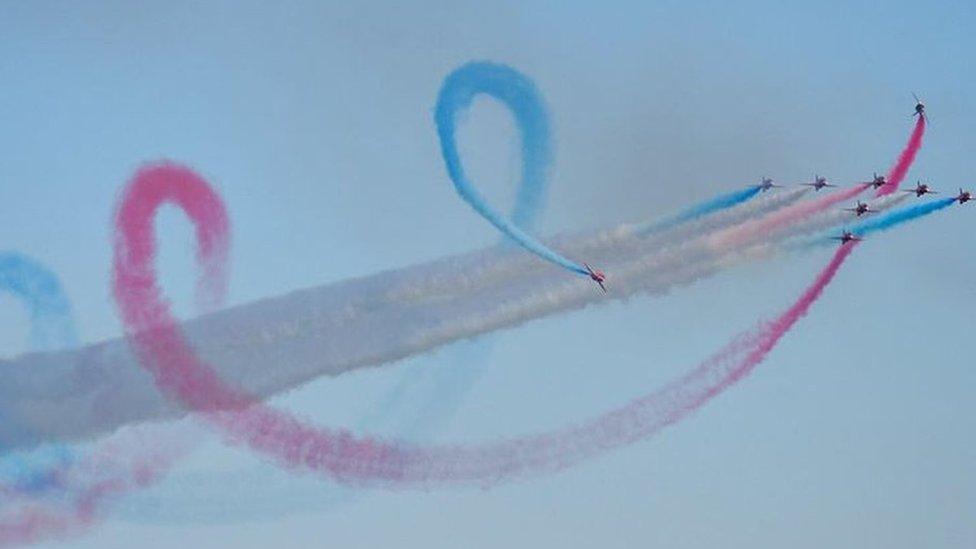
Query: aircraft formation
x,y
274,432
819,182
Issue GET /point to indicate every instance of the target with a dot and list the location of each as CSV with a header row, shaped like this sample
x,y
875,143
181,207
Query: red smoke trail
x,y
769,224
163,183
763,227
118,467
897,172
339,453
772,332
115,468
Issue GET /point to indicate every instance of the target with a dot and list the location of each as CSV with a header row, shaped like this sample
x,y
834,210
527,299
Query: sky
x,y
315,122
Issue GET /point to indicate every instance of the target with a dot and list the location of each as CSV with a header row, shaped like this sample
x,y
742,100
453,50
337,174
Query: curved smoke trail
x,y
340,454
898,172
443,385
520,95
191,497
136,460
370,321
880,223
210,255
51,322
52,327
206,497
112,469
517,92
530,118
34,474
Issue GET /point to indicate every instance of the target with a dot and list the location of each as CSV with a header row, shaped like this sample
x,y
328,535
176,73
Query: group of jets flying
x,y
877,182
818,183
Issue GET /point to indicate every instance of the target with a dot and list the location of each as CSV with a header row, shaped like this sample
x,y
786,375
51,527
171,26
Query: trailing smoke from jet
x,y
39,290
898,172
708,207
771,224
344,457
521,96
51,327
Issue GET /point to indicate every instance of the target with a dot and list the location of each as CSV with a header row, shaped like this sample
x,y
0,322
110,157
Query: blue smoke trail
x,y
521,96
882,222
713,205
51,323
427,394
899,216
51,327
517,91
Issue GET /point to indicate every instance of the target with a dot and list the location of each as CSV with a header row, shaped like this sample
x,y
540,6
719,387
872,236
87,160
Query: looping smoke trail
x,y
897,172
760,345
366,326
51,323
36,473
419,401
440,387
340,454
516,91
166,182
120,466
51,327
520,94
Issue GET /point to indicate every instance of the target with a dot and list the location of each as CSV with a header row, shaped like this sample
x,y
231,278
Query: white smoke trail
x,y
496,267
356,323
836,217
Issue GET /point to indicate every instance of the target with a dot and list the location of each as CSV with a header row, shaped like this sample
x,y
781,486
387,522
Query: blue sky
x,y
315,122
